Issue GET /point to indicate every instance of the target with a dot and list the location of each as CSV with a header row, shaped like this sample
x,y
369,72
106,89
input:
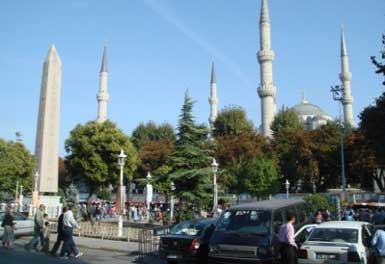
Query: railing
x,y
149,240
108,231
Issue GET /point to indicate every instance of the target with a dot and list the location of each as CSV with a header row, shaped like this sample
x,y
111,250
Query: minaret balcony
x,y
102,97
347,100
266,90
265,55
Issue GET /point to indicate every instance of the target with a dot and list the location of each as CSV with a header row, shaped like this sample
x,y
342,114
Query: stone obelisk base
x,y
53,207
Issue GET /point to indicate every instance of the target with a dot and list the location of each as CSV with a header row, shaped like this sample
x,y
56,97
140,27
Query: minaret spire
x,y
213,100
346,77
266,90
103,95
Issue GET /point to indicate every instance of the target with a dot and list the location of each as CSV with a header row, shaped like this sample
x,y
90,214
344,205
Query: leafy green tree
x,y
232,151
93,151
16,164
286,121
317,202
191,159
150,131
372,126
232,121
259,177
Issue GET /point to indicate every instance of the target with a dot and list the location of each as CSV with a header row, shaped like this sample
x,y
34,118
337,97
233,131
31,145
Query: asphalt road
x,y
17,255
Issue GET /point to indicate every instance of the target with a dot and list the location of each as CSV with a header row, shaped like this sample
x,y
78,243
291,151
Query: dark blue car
x,y
187,242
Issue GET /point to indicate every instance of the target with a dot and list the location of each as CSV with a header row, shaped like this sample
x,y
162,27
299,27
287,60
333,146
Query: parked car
x,y
337,242
187,242
24,225
247,233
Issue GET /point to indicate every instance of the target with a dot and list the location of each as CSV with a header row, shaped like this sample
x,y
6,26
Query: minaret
x,y
346,77
48,126
266,90
103,95
213,100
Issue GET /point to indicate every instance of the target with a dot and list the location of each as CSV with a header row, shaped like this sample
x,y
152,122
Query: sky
x,y
157,49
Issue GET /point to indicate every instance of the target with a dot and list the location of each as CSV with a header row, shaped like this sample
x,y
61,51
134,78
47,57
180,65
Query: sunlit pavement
x,y
18,255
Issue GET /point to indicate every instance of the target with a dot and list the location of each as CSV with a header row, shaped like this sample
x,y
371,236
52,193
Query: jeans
x,y
38,238
69,243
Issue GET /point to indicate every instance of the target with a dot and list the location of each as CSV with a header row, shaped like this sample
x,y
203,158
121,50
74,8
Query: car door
x,y
365,249
1,221
303,233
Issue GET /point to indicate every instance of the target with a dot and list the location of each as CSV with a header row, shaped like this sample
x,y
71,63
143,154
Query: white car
x,y
335,242
24,226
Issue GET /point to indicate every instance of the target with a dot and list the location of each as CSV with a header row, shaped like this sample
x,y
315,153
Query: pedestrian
x,y
46,235
378,242
60,232
38,238
318,219
286,239
9,226
69,223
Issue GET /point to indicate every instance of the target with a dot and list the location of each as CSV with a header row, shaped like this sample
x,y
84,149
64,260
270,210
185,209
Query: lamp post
x,y
214,167
21,198
287,185
172,202
121,160
337,92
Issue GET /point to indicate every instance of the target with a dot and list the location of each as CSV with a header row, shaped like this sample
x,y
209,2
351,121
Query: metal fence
x,y
148,242
108,231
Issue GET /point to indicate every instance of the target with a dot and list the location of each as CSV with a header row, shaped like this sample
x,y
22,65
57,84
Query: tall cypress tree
x,y
191,159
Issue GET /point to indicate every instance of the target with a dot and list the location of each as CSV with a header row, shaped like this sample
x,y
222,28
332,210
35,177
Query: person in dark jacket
x,y
60,232
8,225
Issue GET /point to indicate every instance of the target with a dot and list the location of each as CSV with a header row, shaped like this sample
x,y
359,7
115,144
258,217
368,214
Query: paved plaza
x,y
95,251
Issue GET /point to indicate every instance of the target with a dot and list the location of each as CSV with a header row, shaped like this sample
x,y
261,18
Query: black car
x,y
187,242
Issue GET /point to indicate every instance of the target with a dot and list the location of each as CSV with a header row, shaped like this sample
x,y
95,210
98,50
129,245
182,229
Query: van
x,y
247,233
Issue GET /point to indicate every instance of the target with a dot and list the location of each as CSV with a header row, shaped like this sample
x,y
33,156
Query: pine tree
x,y
191,160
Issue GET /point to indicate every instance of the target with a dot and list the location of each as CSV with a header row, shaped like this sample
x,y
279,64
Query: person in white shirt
x,y
69,223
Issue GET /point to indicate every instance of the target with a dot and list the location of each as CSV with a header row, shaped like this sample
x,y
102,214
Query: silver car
x,y
24,225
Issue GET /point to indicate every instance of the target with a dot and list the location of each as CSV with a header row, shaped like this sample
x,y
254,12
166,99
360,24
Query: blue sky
x,y
158,49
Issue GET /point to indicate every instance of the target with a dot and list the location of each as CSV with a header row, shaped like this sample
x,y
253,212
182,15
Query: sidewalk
x,y
95,243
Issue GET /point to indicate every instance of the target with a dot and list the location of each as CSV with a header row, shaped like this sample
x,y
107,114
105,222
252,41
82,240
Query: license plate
x,y
327,256
172,257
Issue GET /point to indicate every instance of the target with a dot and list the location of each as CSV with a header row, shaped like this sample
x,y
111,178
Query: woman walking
x,y
9,225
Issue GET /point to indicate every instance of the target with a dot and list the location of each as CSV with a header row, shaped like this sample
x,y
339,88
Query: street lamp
x,y
172,202
121,160
337,92
214,167
287,185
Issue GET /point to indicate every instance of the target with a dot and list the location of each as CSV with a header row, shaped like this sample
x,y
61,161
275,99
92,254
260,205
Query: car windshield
x,y
341,235
245,222
188,229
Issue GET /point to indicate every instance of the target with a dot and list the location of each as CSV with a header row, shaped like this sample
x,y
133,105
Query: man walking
x,y
287,242
378,242
38,236
60,232
69,223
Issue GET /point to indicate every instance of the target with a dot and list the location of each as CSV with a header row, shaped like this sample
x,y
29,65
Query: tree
x,y
93,151
16,164
258,177
232,151
191,160
380,67
232,121
286,121
317,202
150,131
372,126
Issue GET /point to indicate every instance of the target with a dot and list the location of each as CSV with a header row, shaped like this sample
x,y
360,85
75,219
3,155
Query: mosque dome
x,y
307,109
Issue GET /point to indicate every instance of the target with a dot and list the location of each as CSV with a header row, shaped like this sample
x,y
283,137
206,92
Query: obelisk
x,y
47,135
